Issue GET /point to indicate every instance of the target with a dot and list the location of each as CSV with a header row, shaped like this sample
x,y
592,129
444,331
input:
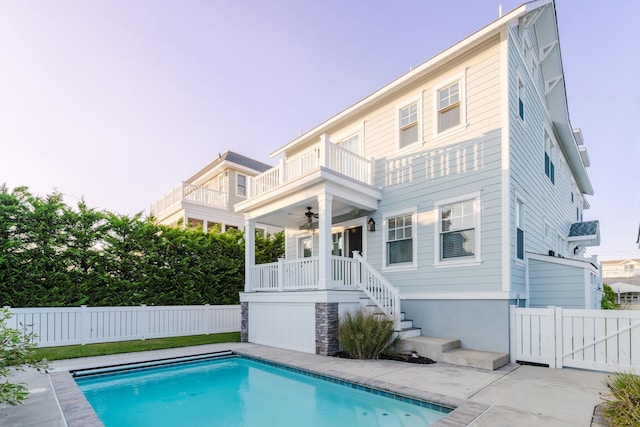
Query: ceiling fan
x,y
310,216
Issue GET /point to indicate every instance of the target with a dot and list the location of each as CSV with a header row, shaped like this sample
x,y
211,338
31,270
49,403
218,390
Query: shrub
x,y
16,350
609,299
622,407
365,335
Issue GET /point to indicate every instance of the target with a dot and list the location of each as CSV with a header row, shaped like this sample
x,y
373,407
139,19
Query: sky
x,y
117,101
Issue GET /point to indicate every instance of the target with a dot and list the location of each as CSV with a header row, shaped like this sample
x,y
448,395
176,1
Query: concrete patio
x,y
510,396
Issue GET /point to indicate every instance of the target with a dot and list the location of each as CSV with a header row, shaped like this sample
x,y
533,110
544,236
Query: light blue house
x,y
444,197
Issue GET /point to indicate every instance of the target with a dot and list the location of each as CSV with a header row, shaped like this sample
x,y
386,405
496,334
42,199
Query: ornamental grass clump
x,y
365,335
622,406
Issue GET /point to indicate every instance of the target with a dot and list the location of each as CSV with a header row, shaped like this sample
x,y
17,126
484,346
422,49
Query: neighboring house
x,y
621,270
206,199
450,194
627,295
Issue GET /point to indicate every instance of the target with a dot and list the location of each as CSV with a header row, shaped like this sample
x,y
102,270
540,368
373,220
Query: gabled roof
x,y
232,157
586,233
616,262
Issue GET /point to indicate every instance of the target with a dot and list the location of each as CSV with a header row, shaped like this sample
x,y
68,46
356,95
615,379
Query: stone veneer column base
x,y
244,322
327,323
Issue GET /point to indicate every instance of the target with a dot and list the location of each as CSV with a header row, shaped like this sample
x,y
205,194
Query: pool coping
x,y
77,410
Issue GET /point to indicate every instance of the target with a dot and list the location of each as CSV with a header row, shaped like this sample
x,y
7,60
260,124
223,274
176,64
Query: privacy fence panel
x,y
603,340
85,325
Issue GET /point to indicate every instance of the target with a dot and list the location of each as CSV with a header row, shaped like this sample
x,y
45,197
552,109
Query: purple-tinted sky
x,y
117,101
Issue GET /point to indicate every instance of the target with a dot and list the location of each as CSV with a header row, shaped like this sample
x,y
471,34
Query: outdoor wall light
x,y
371,225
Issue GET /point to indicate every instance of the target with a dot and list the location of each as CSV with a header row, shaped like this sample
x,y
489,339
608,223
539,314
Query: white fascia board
x,y
417,73
313,296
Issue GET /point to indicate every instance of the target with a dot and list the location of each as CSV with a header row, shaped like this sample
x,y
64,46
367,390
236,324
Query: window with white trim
x,y
408,125
305,247
549,167
458,229
519,229
241,185
351,143
520,98
400,240
449,107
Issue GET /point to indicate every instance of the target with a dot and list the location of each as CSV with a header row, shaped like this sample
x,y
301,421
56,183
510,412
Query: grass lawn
x,y
73,351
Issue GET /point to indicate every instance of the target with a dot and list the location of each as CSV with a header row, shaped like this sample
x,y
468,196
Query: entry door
x,y
354,240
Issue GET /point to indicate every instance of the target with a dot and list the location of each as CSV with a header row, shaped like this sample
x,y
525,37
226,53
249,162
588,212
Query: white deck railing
x,y
304,273
190,193
55,326
326,155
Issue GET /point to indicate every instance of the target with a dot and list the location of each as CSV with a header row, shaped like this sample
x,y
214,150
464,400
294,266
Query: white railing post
x,y
280,274
513,335
250,190
282,166
558,338
550,331
324,150
249,252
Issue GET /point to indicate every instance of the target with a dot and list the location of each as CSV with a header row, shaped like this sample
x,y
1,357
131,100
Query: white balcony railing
x,y
326,155
303,273
186,192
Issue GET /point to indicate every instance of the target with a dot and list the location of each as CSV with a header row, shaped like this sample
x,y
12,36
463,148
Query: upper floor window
x,y
549,167
449,110
400,244
458,230
408,124
351,143
520,98
241,185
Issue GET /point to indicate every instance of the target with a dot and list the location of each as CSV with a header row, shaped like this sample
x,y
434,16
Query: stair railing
x,y
377,288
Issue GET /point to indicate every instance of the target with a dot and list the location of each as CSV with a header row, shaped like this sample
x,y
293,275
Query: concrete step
x,y
431,347
407,333
448,350
475,358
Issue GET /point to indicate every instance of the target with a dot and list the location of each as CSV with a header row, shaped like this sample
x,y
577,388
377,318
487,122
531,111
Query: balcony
x,y
324,155
188,193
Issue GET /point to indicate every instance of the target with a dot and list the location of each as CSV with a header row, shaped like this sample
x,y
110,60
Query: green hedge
x,y
55,255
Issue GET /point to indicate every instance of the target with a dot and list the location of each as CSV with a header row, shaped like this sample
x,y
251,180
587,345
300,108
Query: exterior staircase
x,y
439,349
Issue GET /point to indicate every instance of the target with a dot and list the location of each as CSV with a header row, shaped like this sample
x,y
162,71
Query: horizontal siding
x,y
544,202
555,284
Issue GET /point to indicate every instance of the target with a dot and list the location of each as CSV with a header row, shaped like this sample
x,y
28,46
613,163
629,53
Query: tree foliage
x,y
55,255
609,299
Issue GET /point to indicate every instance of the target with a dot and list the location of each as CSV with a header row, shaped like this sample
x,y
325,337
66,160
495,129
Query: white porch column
x,y
249,252
324,240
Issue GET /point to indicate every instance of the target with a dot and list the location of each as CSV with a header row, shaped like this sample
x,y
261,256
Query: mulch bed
x,y
399,357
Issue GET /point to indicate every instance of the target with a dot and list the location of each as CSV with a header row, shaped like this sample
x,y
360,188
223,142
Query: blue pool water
x,y
236,391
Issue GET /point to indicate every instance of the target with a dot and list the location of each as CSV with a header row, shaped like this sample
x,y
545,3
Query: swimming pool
x,y
238,391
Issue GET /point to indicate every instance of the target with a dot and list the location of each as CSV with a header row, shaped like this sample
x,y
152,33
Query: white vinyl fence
x,y
88,325
602,340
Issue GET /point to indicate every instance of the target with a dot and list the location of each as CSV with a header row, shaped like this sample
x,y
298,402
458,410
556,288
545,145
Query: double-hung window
x,y
520,98
549,167
241,185
400,244
408,124
449,107
458,230
352,143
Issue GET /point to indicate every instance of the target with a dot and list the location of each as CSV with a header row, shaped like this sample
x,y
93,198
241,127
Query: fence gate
x,y
602,340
